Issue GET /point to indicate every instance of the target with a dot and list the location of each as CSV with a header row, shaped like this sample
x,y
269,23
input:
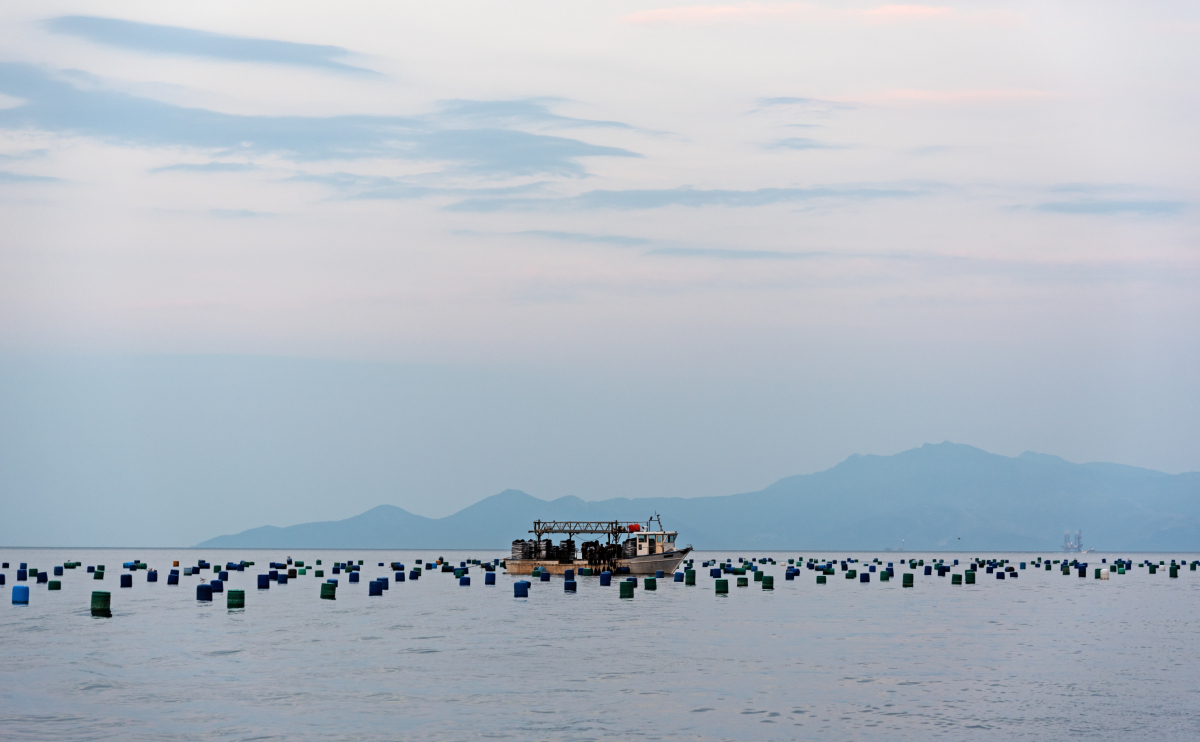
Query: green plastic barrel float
x,y
955,579
721,585
821,579
54,585
319,573
768,582
328,591
689,577
626,589
758,576
1174,571
237,599
908,579
101,604
970,577
650,583
743,582
851,574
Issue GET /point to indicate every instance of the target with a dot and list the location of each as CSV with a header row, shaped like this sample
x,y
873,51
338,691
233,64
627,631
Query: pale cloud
x,y
810,13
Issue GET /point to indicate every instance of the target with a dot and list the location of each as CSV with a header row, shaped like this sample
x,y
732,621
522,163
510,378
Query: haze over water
x,y
1041,657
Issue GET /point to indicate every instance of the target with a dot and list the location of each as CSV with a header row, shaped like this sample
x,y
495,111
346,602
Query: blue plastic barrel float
x,y
204,592
126,580
545,576
464,581
374,588
20,595
489,578
354,576
605,578
520,589
678,577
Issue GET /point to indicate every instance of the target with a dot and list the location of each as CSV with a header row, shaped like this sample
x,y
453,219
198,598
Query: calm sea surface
x,y
1042,657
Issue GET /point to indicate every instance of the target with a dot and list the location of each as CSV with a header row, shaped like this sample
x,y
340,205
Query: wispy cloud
x,y
531,111
57,105
806,105
206,167
801,143
1113,207
7,177
728,254
26,155
629,200
354,186
173,40
807,13
238,213
594,239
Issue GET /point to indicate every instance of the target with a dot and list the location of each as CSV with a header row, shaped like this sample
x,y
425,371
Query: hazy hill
x,y
944,496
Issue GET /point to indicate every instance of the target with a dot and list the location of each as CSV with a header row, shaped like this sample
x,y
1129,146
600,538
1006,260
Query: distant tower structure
x,y
1072,546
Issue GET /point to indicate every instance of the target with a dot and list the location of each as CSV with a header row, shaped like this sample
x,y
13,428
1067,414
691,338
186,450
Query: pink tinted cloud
x,y
983,95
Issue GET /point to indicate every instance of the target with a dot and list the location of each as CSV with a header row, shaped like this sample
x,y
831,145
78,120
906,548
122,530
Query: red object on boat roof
x,y
634,528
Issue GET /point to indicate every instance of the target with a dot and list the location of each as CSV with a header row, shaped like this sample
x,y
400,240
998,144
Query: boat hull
x,y
643,565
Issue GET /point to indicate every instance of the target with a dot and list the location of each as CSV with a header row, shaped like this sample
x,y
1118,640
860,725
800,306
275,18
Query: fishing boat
x,y
628,548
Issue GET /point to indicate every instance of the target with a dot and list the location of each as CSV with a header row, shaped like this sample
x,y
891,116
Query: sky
x,y
282,262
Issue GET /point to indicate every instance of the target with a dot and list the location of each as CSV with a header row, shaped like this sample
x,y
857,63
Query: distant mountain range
x,y
938,497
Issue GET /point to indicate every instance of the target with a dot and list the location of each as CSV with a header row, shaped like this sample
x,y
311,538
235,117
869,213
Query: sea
x,y
1041,657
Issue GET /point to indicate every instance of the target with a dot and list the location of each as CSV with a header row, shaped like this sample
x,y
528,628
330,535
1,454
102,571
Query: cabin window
x,y
659,539
642,539
671,537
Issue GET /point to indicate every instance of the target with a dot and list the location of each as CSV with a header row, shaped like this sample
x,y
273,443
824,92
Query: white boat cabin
x,y
655,542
